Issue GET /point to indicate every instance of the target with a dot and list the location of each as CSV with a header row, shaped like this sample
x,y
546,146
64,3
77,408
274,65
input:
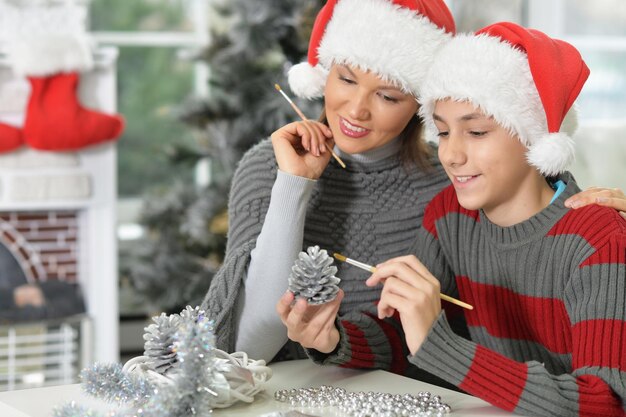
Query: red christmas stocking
x,y
10,138
56,121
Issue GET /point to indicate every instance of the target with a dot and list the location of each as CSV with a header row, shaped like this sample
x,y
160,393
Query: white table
x,y
39,402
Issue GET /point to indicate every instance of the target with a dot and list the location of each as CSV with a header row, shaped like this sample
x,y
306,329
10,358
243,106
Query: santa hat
x,y
396,39
522,78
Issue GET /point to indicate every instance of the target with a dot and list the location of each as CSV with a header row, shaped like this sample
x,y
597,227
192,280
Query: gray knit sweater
x,y
368,212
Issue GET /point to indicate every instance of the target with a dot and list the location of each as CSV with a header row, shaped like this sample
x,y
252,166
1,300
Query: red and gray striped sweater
x,y
548,329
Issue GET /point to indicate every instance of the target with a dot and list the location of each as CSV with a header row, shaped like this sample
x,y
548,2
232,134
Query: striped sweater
x,y
369,211
548,329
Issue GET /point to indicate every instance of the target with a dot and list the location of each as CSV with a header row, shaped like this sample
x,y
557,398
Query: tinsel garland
x,y
196,381
110,383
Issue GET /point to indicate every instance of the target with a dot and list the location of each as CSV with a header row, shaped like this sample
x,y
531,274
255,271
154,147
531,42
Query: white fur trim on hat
x,y
552,153
398,44
48,54
307,81
494,77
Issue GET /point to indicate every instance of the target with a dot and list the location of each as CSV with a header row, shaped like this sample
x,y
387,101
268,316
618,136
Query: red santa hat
x,y
396,39
522,78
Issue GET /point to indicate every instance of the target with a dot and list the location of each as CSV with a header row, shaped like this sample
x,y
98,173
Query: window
x,y
156,40
598,30
153,78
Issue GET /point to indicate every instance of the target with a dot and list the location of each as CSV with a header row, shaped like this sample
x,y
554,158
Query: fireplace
x,y
45,244
57,209
40,248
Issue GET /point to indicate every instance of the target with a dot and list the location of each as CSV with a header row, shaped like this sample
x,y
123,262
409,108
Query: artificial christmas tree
x,y
249,54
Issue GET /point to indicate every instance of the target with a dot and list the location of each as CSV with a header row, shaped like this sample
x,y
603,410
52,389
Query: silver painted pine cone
x,y
159,340
313,276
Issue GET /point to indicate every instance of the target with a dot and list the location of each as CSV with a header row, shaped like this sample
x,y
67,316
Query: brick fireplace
x,y
44,243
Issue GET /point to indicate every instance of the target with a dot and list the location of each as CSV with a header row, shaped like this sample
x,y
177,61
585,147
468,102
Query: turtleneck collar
x,y
373,155
374,159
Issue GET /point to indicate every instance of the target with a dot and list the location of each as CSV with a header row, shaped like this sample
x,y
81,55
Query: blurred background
x,y
136,226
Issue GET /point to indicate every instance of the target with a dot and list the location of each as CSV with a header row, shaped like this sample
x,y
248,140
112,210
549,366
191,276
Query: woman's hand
x,y
411,290
313,326
608,197
300,148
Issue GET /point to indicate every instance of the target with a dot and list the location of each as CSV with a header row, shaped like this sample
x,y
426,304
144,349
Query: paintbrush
x,y
372,269
303,117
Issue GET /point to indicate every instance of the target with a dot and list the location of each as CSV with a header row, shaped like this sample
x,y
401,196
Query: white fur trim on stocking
x,y
552,153
44,55
20,18
306,81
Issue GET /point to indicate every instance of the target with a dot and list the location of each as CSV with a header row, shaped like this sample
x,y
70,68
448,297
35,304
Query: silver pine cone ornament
x,y
313,276
159,338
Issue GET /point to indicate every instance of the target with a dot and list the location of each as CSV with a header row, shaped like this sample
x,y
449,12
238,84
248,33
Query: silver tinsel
x,y
110,383
196,379
197,375
313,276
159,340
74,410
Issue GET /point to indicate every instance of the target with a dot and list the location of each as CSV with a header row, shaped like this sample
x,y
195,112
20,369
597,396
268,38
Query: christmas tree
x,y
252,46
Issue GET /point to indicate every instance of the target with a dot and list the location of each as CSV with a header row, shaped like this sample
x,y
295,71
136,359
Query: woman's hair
x,y
415,151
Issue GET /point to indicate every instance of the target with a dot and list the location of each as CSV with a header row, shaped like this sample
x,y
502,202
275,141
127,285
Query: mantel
x,y
103,57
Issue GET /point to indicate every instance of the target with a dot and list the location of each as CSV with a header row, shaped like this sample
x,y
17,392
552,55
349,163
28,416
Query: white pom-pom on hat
x,y
552,153
307,81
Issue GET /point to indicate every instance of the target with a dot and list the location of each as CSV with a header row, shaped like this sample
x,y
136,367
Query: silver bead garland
x,y
365,404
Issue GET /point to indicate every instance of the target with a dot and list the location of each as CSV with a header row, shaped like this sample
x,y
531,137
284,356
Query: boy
x,y
548,284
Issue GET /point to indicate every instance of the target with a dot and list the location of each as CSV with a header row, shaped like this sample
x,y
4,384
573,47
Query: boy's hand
x,y
609,197
411,290
313,326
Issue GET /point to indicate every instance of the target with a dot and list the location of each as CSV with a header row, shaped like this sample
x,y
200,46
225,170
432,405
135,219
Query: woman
x,y
287,194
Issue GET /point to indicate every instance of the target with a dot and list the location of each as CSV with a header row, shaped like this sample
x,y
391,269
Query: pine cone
x,y
159,342
191,314
313,276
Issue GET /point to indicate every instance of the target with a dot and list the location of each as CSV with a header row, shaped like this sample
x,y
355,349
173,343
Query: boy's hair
x,y
522,78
